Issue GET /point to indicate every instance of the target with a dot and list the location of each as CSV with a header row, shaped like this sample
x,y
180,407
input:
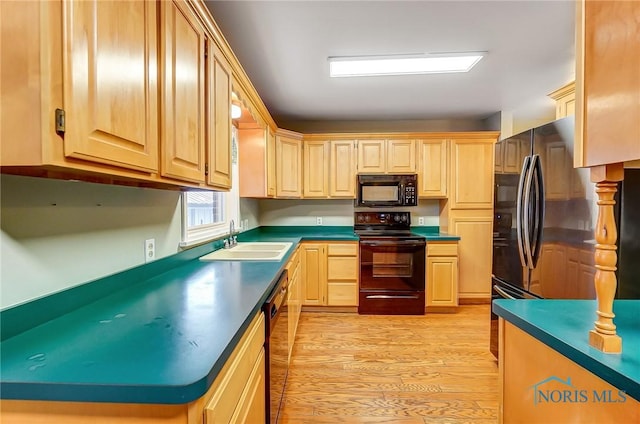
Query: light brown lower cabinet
x,y
330,274
237,395
442,276
294,298
528,366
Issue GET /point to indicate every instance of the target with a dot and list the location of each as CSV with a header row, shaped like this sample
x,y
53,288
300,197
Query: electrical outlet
x,y
149,250
421,220
319,220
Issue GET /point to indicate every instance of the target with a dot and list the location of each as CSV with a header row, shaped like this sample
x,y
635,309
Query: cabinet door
x,y
442,281
371,156
271,163
288,167
219,118
110,82
498,165
471,174
432,168
316,168
252,405
401,156
607,82
342,172
512,156
558,169
183,106
475,253
314,275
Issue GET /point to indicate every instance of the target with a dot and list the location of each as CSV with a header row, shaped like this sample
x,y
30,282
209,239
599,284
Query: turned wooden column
x,y
603,336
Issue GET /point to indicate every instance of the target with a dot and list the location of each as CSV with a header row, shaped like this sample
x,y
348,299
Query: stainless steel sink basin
x,y
255,251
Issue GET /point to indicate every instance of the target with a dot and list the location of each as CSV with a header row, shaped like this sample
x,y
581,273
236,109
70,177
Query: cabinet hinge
x,y
60,121
206,48
206,169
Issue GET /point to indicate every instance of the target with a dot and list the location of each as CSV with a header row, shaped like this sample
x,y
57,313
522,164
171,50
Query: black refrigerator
x,y
545,212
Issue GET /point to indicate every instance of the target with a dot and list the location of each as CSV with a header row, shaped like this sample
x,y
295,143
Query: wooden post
x,y
603,336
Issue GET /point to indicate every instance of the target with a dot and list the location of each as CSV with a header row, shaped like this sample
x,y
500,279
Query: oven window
x,y
386,193
392,264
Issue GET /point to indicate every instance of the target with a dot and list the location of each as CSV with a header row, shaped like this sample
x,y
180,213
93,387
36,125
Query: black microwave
x,y
375,190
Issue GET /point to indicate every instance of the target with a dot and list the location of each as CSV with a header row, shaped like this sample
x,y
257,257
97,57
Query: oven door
x,y
392,264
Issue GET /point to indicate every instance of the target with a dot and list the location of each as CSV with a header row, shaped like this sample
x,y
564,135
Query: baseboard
x,y
441,309
342,309
474,300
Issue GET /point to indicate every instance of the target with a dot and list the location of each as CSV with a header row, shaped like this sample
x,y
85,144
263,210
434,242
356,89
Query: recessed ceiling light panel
x,y
402,65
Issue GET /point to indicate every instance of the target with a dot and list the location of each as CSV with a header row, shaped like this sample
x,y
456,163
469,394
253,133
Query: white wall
x,y
58,234
333,212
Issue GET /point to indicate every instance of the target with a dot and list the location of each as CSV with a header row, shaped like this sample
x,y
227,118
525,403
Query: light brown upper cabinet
x,y
329,168
342,169
182,48
372,156
101,72
379,156
110,83
432,168
565,98
401,156
316,169
257,164
607,82
219,118
471,173
288,164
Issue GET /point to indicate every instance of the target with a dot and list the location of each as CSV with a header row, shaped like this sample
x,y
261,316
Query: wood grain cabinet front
x,y
330,274
182,46
83,101
288,164
442,276
126,105
390,156
607,82
433,166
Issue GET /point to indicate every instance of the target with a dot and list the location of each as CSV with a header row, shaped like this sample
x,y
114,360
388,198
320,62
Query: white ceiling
x,y
284,45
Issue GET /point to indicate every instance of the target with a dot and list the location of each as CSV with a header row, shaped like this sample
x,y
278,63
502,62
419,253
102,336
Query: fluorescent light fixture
x,y
236,112
433,63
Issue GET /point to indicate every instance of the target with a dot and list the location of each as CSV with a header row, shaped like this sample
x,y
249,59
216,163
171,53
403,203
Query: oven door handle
x,y
393,243
389,296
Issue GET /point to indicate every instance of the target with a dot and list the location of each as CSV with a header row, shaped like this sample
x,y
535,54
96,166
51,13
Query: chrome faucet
x,y
233,240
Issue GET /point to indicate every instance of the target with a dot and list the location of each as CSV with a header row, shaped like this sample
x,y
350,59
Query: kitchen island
x,y
145,342
550,374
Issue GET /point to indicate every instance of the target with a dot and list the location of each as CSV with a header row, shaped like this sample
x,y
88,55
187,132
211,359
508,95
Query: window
x,y
206,214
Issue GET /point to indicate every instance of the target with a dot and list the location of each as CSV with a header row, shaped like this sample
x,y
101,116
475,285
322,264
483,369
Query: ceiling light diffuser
x,y
402,65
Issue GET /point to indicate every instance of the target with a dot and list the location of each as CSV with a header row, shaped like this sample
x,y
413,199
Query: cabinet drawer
x,y
342,268
442,249
342,249
343,294
293,262
228,387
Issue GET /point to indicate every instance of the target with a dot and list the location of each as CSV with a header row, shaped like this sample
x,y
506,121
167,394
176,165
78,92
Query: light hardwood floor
x,y
349,368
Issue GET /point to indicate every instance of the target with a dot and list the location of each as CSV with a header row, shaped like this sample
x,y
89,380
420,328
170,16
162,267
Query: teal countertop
x,y
564,326
157,333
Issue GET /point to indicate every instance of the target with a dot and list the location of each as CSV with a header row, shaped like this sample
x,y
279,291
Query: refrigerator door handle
x,y
527,211
540,211
519,224
503,293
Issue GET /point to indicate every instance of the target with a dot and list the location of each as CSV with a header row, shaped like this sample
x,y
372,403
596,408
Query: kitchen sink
x,y
254,251
261,246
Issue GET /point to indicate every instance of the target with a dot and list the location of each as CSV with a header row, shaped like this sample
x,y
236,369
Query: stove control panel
x,y
383,219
